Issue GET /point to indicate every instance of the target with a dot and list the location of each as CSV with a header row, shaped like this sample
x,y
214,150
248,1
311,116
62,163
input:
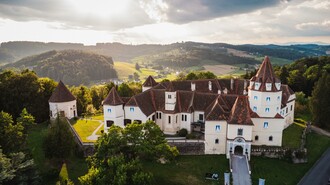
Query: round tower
x,y
265,92
62,103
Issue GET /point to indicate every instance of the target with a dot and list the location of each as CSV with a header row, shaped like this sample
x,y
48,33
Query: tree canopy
x,y
118,154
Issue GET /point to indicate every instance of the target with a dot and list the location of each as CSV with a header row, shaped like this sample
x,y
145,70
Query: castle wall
x,y
215,137
264,128
68,108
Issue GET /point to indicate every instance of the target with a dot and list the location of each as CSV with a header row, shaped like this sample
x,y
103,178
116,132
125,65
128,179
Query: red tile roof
x,y
113,98
241,112
61,94
265,75
150,82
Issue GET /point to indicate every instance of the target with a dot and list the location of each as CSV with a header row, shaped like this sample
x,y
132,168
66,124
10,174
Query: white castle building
x,y
233,113
62,103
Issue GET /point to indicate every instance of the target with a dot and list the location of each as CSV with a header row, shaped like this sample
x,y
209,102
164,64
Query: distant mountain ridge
x,y
13,51
74,67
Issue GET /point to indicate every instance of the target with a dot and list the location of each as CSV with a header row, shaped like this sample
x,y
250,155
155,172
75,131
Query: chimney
x,y
232,84
245,85
193,86
219,91
210,85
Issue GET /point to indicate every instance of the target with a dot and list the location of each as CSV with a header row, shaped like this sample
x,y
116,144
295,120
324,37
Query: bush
x,y
183,132
64,176
191,136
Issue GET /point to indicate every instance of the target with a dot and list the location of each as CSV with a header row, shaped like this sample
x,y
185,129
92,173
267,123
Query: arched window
x,y
270,138
256,138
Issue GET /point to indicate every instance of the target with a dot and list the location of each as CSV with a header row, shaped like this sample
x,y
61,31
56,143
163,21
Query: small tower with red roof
x,y
113,109
62,103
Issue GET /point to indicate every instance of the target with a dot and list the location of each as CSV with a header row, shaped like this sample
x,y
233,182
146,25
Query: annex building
x,y
233,114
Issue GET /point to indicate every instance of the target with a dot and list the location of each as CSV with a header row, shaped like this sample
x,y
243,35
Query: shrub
x,y
183,132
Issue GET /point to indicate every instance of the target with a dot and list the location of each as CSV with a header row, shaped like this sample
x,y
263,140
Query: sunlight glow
x,y
100,8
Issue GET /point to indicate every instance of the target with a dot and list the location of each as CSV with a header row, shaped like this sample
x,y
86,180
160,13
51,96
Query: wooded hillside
x,y
73,67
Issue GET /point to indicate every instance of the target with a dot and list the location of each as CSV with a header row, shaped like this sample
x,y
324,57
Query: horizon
x,y
280,22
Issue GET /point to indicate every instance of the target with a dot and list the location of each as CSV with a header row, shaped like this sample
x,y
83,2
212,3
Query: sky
x,y
166,21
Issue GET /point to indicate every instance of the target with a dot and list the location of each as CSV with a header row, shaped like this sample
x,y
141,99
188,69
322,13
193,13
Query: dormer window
x,y
268,86
169,96
257,86
225,91
278,86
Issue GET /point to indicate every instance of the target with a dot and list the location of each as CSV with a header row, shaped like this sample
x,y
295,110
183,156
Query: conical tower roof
x,y
241,112
61,94
113,98
150,82
265,75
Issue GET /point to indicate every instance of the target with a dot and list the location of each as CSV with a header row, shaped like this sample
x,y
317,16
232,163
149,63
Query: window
x,y
216,141
176,119
278,98
109,123
201,117
131,109
184,117
270,138
256,138
109,110
169,119
153,117
217,128
291,107
127,121
265,124
169,96
277,108
160,115
267,98
51,114
255,97
266,109
240,132
254,108
287,110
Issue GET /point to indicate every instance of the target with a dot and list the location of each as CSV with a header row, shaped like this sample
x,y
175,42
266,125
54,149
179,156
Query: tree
x,y
125,91
284,75
12,135
118,154
320,102
83,97
64,176
26,119
136,76
191,76
137,66
59,142
17,169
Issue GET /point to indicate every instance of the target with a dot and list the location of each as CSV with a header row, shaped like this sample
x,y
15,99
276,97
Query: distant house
x,y
233,114
62,103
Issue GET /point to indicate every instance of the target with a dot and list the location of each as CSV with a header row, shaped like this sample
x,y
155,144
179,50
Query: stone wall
x,y
189,148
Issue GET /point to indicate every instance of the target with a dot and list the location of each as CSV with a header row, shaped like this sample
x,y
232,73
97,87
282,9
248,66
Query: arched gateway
x,y
239,146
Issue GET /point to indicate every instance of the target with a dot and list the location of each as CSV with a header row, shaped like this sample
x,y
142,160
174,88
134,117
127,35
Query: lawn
x,y
291,136
85,128
277,171
98,117
48,169
189,170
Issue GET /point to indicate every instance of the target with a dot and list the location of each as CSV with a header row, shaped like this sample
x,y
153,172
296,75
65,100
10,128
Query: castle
x,y
233,114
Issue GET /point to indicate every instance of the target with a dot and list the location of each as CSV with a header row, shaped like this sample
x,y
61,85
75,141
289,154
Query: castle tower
x,y
265,91
113,110
62,103
149,83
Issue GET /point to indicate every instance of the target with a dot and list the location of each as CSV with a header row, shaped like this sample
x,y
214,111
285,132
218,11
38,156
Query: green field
x,y
275,60
85,128
291,136
189,170
277,171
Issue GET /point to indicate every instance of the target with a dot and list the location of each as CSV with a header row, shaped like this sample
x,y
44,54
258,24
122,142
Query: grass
x,y
49,170
277,171
189,170
85,128
98,117
124,69
275,60
291,136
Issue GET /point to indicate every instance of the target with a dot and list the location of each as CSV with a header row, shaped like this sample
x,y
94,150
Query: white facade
x,y
267,131
113,114
66,109
216,137
265,104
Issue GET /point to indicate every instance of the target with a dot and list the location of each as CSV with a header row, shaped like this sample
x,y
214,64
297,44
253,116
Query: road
x,y
240,172
319,174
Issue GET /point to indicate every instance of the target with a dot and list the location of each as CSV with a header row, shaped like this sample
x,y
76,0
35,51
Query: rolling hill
x,y
73,67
